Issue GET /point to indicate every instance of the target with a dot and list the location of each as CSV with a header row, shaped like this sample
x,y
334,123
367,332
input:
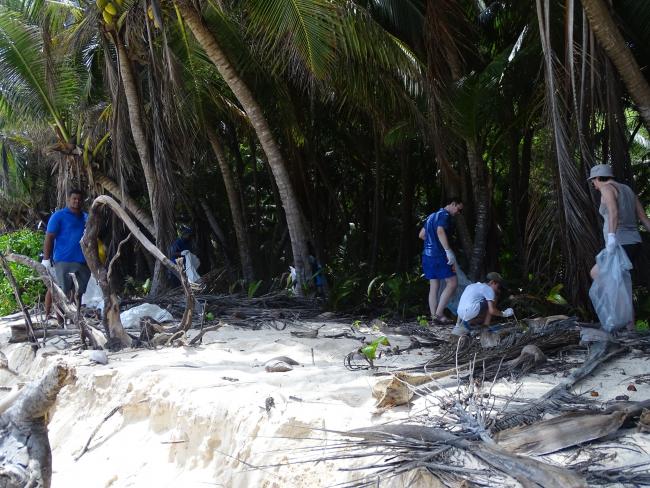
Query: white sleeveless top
x,y
627,230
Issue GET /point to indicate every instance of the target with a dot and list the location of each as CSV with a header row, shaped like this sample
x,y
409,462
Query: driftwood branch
x,y
68,309
118,253
94,432
199,337
186,321
19,298
25,454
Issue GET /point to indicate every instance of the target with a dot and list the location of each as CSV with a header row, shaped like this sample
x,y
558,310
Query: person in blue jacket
x,y
62,253
438,260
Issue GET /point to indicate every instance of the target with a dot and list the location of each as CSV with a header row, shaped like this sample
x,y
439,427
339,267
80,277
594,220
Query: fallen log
x,y
548,436
25,454
20,334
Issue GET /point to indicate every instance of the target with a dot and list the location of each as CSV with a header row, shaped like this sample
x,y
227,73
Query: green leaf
x,y
554,295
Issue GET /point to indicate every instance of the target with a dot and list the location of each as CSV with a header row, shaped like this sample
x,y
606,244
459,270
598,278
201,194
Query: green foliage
x,y
253,287
423,320
209,316
343,293
146,286
642,326
554,295
28,243
370,351
397,290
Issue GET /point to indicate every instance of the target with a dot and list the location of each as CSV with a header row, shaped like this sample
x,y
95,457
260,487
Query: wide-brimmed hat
x,y
601,170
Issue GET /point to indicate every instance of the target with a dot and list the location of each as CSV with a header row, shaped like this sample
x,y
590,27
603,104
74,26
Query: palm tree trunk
x,y
141,141
235,208
609,37
482,210
257,119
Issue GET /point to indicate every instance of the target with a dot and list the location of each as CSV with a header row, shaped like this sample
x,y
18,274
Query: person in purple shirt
x,y
438,260
62,245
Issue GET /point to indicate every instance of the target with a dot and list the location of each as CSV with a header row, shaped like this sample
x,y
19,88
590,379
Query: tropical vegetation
x,y
284,129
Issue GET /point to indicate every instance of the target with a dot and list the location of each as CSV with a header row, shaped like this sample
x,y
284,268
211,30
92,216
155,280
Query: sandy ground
x,y
197,416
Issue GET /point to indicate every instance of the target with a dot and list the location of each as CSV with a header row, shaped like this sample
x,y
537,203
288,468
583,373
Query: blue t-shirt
x,y
432,245
178,246
68,229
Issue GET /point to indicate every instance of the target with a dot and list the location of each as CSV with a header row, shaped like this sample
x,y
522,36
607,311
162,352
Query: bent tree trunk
x,y
112,322
612,41
232,192
129,203
257,119
25,454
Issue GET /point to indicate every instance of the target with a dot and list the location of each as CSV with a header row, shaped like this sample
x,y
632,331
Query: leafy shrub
x,y
28,243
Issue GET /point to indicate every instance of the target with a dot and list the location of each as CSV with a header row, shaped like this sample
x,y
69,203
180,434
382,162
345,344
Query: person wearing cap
x,y
477,304
438,260
621,210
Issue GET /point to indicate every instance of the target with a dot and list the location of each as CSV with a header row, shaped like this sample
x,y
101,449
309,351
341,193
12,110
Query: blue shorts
x,y
436,267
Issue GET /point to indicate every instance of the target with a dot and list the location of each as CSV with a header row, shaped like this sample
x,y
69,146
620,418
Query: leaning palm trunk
x,y
235,208
609,37
257,119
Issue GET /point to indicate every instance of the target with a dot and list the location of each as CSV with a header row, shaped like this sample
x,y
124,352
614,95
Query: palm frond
x,y
23,69
301,30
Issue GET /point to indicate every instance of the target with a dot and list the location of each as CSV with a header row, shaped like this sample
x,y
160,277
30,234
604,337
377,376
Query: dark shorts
x,y
634,253
436,267
62,272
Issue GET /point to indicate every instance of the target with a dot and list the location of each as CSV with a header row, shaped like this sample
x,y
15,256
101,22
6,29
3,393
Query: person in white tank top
x,y
621,211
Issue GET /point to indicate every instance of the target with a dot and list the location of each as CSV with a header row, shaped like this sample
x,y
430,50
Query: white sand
x,y
183,425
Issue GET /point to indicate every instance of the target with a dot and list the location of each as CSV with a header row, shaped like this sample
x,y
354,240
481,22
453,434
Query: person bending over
x,y
477,304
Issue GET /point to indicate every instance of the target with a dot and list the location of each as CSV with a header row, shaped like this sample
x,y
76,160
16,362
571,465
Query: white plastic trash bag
x,y
131,318
611,291
463,281
192,263
93,297
293,275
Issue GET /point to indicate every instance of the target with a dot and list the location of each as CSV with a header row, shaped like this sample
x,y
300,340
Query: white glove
x,y
48,266
611,242
451,257
508,312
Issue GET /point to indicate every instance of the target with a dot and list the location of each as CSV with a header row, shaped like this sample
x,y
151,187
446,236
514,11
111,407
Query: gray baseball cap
x,y
601,170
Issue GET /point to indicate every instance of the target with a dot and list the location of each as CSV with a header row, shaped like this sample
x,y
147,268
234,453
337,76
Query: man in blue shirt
x,y
64,232
182,243
438,260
